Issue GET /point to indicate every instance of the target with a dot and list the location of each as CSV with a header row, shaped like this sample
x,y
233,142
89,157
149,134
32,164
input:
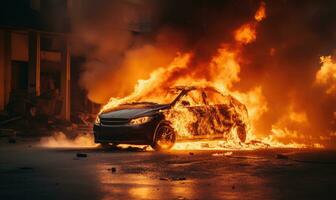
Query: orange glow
x,y
261,12
245,34
326,76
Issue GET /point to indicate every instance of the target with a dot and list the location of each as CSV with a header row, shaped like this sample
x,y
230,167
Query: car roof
x,y
188,88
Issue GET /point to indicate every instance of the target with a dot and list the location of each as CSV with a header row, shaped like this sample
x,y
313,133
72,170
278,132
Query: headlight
x,y
140,120
97,121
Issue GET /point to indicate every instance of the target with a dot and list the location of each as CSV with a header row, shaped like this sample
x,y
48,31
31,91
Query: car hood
x,y
132,111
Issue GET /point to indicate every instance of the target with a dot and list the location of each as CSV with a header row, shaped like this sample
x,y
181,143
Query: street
x,y
29,171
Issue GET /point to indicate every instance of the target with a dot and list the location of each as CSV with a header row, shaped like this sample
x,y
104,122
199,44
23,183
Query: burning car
x,y
182,113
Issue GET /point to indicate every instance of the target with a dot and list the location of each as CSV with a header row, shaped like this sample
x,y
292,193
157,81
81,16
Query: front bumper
x,y
125,134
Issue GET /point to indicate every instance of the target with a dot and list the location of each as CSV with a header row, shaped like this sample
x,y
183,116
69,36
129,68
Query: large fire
x,y
291,128
221,72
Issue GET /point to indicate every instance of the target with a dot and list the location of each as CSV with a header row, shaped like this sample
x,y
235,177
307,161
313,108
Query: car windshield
x,y
154,98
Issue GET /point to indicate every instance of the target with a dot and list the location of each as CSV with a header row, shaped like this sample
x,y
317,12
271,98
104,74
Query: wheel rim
x,y
165,137
241,133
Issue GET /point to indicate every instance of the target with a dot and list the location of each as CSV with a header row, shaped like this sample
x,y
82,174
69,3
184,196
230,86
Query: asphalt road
x,y
28,171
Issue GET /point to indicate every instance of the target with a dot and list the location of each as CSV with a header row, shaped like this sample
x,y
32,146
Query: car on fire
x,y
144,121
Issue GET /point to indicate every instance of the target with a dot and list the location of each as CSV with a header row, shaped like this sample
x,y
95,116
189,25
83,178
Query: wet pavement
x,y
28,171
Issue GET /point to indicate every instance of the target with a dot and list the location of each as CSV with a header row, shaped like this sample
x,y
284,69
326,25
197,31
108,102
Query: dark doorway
x,y
19,75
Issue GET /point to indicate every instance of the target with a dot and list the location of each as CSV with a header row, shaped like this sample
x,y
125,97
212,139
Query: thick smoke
x,y
124,41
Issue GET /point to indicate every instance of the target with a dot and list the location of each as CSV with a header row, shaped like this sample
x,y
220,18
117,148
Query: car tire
x,y
241,133
164,137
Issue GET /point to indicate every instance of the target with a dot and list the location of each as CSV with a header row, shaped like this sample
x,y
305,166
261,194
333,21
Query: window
x,y
214,98
193,98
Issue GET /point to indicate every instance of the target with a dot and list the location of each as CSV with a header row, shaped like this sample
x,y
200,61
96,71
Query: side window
x,y
193,98
214,98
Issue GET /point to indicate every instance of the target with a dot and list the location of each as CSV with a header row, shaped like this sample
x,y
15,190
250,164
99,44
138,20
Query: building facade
x,y
34,58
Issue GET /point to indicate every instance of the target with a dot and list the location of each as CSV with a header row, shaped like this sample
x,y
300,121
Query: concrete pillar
x,y
65,81
34,70
5,68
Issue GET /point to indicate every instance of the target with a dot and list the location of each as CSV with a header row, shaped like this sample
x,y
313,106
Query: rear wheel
x,y
164,137
241,132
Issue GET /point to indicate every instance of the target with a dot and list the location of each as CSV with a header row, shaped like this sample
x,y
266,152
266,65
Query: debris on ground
x,y
26,168
112,169
81,155
173,179
191,153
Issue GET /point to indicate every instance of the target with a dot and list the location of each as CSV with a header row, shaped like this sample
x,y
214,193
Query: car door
x,y
219,112
194,101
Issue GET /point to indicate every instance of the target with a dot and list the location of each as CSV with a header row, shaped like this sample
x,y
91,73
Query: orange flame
x,y
246,34
221,73
261,12
326,76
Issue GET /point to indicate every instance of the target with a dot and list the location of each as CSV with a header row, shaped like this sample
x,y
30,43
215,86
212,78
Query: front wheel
x,y
164,137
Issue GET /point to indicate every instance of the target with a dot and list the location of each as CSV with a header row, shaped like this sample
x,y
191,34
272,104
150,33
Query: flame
x,y
326,75
220,73
261,12
246,33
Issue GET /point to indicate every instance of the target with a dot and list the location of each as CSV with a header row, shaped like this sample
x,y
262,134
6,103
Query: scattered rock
x,y
81,155
26,168
112,169
233,187
191,153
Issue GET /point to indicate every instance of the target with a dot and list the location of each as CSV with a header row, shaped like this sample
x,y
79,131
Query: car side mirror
x,y
185,103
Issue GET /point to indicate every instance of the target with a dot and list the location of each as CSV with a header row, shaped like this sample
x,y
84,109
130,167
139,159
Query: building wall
x,y
19,46
5,72
2,70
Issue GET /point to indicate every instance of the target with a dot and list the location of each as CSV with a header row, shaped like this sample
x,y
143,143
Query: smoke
x,y
59,139
124,41
120,45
